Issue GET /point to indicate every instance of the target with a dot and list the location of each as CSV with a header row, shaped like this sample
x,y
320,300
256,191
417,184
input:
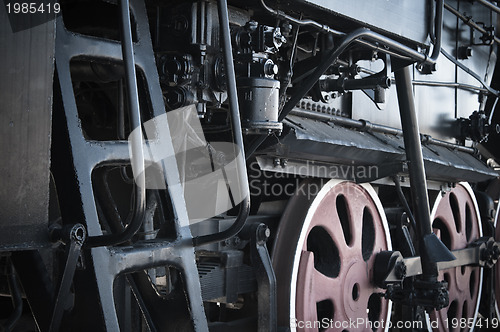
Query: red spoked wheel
x,y
323,258
456,221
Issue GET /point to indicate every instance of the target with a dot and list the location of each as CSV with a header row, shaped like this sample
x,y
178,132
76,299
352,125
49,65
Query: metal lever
x,y
258,234
73,236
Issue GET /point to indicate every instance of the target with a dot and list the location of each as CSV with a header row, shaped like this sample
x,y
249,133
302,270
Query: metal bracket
x,y
73,236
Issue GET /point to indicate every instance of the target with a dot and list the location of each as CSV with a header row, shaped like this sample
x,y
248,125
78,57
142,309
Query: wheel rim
x,y
335,247
456,221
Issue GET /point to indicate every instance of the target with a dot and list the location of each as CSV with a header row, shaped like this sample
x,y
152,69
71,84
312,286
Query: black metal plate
x,y
26,71
313,140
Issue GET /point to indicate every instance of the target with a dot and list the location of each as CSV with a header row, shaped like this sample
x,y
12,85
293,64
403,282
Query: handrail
x,y
137,157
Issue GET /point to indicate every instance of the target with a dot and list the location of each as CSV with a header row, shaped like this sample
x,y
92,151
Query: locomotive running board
x,y
110,262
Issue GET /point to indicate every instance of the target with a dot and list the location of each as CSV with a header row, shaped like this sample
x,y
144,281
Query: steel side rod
x,y
476,255
413,148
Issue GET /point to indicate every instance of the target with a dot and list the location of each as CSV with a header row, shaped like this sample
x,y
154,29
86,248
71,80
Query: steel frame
x,y
110,262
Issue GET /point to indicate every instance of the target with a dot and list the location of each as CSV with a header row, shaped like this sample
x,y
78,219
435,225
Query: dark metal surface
x,y
386,16
37,285
489,5
333,55
224,276
17,300
438,104
364,125
306,140
259,101
468,20
26,66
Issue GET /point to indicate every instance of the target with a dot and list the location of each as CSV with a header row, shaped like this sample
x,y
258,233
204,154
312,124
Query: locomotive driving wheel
x,y
457,223
323,257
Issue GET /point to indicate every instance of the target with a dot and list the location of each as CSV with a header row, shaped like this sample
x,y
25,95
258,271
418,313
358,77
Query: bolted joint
x,y
490,253
400,270
427,69
258,232
78,233
68,233
263,233
464,52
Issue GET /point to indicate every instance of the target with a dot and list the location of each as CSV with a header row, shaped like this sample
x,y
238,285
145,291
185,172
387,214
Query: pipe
x,y
282,15
469,21
403,201
489,5
461,86
244,211
137,157
416,167
438,29
470,72
343,84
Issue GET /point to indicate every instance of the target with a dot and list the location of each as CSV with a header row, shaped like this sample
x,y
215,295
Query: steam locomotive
x,y
259,165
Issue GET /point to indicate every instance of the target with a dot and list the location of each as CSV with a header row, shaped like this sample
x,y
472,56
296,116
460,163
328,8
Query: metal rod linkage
x,y
470,72
468,21
491,6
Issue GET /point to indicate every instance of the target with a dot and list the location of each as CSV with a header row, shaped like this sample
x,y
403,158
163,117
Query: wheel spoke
x,y
318,286
447,217
356,208
307,288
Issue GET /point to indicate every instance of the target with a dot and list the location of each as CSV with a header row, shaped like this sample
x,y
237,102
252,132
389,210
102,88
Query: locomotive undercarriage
x,y
340,220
